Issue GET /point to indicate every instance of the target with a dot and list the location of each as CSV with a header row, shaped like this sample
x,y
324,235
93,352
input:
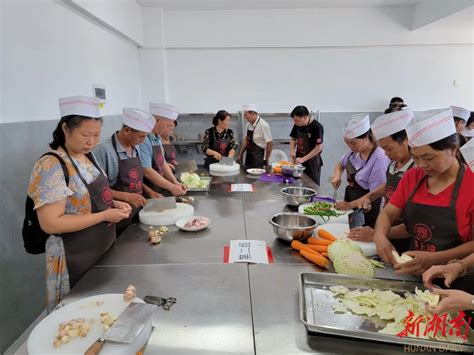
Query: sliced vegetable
x,y
316,258
401,259
354,264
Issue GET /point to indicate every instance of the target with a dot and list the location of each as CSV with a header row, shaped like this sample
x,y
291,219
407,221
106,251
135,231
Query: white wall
x,y
49,50
123,15
330,59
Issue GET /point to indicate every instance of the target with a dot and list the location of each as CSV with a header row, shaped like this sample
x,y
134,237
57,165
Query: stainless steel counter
x,y
221,308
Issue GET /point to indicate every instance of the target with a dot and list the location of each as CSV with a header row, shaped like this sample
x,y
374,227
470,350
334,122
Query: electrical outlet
x,y
456,83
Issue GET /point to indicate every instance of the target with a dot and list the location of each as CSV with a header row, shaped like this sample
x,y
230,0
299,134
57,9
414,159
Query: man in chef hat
x,y
461,115
469,129
119,158
157,172
258,140
389,130
435,198
467,152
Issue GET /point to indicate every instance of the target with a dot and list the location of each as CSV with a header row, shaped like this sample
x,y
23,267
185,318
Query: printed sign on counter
x,y
242,188
248,251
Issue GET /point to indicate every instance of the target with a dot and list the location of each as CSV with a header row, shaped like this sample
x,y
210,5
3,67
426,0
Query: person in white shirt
x,y
258,141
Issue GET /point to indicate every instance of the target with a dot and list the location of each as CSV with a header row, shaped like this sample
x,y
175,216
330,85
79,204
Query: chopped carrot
x,y
326,255
318,248
315,241
297,245
316,258
322,233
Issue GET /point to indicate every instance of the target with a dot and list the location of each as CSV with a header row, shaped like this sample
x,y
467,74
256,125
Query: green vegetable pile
x,y
323,209
389,310
193,181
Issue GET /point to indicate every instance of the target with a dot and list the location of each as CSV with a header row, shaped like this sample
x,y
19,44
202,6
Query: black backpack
x,y
34,238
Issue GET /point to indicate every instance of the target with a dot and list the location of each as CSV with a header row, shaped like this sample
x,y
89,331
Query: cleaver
x,y
186,167
227,161
160,204
126,328
356,218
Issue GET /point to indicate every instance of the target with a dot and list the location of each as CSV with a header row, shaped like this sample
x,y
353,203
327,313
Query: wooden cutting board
x,y
41,338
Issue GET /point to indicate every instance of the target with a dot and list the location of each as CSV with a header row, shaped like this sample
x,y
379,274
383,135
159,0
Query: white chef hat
x,y
469,133
79,105
391,123
461,112
467,151
250,107
138,119
164,110
356,125
430,126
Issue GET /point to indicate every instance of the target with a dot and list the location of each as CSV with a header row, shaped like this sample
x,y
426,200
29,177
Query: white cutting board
x,y
166,217
340,231
217,169
344,218
41,338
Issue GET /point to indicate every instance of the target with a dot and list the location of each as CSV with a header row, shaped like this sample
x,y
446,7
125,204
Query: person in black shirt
x,y
218,141
306,143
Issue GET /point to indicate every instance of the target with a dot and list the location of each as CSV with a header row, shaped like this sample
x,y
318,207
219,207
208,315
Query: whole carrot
x,y
316,258
318,248
326,255
322,233
297,245
315,241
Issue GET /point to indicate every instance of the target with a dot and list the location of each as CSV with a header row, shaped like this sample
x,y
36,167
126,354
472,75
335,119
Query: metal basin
x,y
295,196
292,226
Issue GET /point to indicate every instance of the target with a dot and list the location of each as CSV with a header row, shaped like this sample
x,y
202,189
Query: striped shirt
x,y
107,158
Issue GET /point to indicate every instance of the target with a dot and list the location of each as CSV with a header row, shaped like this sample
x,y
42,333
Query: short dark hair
x,y
72,122
221,115
471,119
299,111
458,119
368,135
396,99
400,136
449,142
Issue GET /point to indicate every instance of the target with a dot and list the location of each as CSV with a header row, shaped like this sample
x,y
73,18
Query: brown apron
x,y
433,228
313,166
402,245
129,179
85,247
157,163
219,145
170,154
255,156
355,191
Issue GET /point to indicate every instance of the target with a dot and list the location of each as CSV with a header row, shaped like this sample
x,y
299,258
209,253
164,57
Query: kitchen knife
x,y
126,328
160,204
186,167
227,161
356,218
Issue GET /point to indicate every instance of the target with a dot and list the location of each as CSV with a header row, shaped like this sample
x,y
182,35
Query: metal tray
x,y
317,315
207,178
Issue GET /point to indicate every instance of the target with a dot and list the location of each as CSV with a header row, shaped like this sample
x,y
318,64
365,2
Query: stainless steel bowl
x,y
293,170
292,226
295,196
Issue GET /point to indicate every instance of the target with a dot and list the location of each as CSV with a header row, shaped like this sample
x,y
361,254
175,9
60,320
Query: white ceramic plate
x,y
182,222
343,218
340,231
256,171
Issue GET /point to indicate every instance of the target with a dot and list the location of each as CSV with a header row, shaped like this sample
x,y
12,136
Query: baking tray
x,y
317,314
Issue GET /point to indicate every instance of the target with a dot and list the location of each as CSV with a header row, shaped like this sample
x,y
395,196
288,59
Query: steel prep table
x,y
221,308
